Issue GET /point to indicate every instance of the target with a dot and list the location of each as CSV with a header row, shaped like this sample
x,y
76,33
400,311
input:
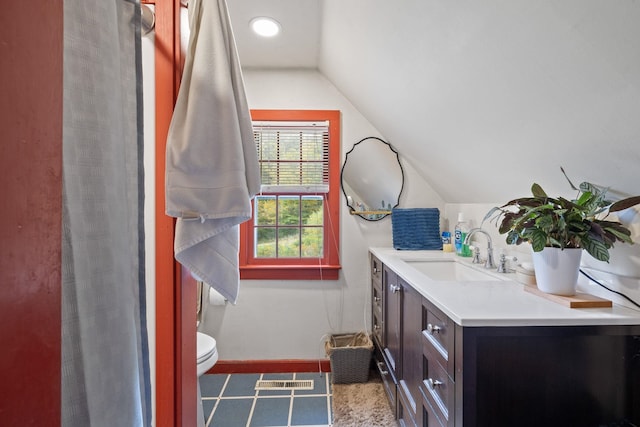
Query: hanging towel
x,y
211,166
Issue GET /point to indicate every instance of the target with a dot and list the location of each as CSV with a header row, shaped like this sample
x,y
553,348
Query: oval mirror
x,y
372,178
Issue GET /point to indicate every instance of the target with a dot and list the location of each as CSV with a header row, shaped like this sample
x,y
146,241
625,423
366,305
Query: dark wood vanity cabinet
x,y
384,358
392,303
438,373
400,348
377,298
548,376
529,376
411,375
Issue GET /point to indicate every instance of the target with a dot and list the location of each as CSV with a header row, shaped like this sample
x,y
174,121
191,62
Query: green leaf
x,y
587,187
583,199
507,223
596,200
621,233
544,222
555,243
537,237
541,210
513,238
525,201
568,204
575,227
537,191
596,249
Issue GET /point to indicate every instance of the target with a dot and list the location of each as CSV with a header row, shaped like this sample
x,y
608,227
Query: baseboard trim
x,y
269,366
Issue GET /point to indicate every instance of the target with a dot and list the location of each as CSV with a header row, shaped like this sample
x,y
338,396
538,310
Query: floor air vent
x,y
284,385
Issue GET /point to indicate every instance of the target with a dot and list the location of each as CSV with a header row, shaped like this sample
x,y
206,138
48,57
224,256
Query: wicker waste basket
x,y
350,357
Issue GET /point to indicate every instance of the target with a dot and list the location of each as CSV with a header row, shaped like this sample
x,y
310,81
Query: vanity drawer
x,y
378,327
376,271
377,313
387,379
437,387
438,335
406,417
376,298
430,416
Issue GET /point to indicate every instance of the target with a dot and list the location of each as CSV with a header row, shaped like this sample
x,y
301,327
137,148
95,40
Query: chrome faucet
x,y
502,264
489,262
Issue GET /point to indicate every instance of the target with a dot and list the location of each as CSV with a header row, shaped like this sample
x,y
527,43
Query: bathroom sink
x,y
449,271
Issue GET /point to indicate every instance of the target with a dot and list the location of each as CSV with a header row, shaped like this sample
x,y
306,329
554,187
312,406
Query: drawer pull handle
x,y
433,329
376,327
382,369
375,270
394,288
432,384
376,299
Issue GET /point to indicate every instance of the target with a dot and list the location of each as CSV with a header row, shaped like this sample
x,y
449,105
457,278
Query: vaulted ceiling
x,y
482,97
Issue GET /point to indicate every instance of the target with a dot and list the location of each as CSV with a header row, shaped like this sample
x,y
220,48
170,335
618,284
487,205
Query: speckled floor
x,y
362,404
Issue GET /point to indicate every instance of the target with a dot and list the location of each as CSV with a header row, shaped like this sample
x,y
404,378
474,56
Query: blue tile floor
x,y
230,400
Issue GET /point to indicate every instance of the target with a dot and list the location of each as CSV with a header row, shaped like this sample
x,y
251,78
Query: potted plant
x,y
558,229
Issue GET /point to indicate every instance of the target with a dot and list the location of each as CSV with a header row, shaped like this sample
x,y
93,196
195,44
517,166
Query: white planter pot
x,y
557,270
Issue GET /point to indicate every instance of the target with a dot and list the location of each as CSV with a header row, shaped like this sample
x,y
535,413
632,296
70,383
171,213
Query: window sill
x,y
290,272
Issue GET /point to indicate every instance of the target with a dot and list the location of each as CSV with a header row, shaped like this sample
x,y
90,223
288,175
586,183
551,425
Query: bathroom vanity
x,y
457,345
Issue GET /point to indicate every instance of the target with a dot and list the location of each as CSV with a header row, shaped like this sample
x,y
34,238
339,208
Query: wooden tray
x,y
579,300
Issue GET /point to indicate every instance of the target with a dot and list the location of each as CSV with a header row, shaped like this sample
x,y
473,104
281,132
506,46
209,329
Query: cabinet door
x,y
392,320
411,376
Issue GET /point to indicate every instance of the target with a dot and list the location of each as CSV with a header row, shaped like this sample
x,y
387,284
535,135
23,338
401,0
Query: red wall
x,y
31,42
176,381
31,218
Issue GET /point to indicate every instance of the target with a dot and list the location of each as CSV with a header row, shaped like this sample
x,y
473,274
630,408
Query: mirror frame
x,y
374,215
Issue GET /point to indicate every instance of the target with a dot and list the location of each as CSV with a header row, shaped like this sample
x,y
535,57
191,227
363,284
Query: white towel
x,y
212,166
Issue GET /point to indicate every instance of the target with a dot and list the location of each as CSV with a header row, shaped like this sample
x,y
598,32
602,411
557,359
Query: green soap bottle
x,y
459,234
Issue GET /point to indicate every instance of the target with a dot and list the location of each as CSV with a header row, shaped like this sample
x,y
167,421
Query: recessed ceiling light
x,y
264,26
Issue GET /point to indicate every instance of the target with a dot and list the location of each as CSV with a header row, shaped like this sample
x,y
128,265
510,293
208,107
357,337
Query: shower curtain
x,y
105,368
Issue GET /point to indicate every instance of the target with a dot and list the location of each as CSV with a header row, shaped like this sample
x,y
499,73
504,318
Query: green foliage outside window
x,y
289,226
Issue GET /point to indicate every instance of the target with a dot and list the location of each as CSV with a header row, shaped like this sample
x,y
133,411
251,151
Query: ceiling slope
x,y
484,98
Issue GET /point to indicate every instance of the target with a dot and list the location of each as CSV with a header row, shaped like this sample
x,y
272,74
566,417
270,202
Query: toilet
x,y
206,357
207,353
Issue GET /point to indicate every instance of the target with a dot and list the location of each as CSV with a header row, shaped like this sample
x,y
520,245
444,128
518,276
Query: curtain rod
x,y
149,16
153,2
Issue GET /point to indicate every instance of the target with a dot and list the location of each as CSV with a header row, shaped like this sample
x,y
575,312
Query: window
x,y
295,228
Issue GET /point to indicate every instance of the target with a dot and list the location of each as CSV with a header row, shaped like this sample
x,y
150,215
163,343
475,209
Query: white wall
x,y
288,319
486,97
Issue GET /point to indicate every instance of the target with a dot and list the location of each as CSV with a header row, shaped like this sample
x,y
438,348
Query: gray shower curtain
x,y
105,369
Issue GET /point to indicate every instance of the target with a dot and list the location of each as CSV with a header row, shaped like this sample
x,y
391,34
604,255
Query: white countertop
x,y
498,301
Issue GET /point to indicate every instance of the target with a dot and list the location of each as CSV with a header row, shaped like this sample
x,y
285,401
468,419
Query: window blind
x,y
293,156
